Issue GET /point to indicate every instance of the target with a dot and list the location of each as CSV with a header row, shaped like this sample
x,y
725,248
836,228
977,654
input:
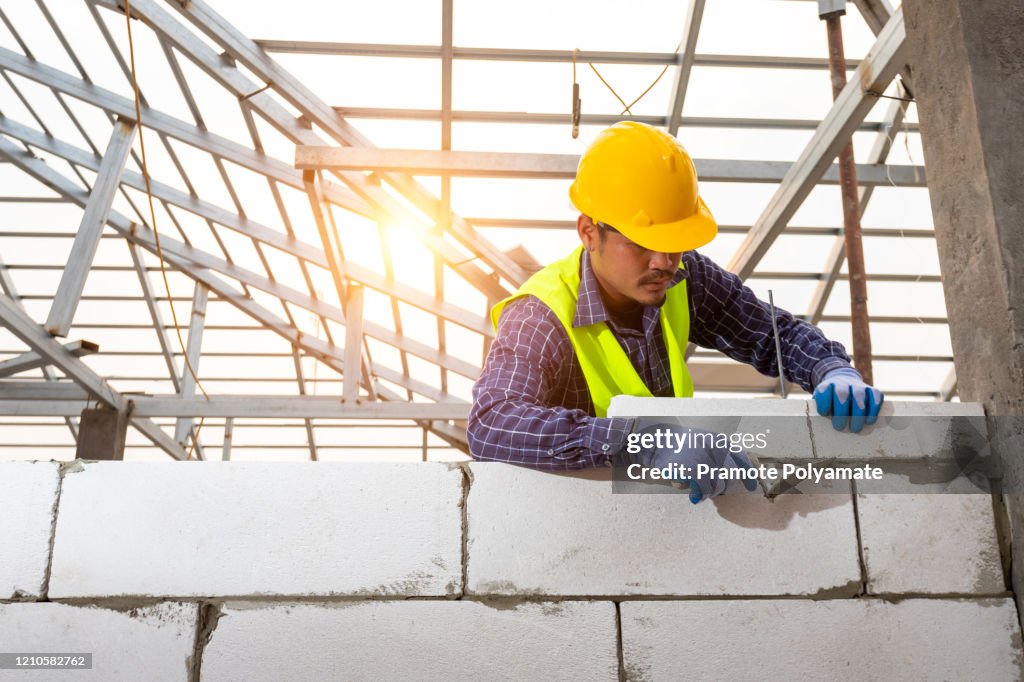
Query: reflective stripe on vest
x,y
606,367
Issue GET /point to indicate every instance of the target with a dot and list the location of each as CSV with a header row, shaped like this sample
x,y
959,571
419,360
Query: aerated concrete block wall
x,y
275,571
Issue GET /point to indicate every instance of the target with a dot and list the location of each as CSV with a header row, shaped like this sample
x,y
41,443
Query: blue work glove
x,y
843,394
698,447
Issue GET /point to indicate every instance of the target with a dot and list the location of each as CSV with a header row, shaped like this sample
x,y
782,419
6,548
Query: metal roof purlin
x,y
850,108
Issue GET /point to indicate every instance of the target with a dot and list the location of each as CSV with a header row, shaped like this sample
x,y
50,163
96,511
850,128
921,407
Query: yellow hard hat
x,y
641,181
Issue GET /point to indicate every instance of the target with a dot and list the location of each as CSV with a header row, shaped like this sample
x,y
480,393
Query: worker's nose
x,y
660,261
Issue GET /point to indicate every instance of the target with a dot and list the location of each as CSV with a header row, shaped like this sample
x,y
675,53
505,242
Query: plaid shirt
x,y
531,404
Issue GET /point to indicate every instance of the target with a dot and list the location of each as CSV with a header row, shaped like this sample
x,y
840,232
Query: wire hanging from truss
x,y
156,232
626,108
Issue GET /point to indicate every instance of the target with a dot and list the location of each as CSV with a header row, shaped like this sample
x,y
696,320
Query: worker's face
x,y
628,273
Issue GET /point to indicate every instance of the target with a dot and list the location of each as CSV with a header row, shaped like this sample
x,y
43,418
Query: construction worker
x,y
614,317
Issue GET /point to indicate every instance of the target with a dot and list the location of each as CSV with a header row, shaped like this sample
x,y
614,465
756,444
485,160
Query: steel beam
x,y
876,14
447,53
331,240
292,407
308,423
254,407
563,166
42,408
353,342
229,428
36,391
444,219
33,360
463,116
328,231
884,59
101,198
154,314
684,64
530,55
533,224
190,363
909,279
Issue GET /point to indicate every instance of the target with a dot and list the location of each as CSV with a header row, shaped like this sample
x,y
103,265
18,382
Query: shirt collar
x,y
590,308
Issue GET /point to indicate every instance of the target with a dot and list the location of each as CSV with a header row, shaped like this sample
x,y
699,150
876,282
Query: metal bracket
x,y
827,8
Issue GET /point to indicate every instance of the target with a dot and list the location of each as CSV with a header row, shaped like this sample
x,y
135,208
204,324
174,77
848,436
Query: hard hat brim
x,y
683,235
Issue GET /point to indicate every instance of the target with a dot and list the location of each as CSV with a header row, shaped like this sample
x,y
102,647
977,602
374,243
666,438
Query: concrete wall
x,y
222,571
968,64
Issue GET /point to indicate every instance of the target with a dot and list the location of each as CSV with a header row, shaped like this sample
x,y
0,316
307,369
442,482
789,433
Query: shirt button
x,y
551,451
604,448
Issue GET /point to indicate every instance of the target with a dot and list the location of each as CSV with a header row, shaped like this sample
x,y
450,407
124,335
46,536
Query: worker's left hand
x,y
843,394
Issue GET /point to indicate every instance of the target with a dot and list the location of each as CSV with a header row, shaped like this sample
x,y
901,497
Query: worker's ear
x,y
587,231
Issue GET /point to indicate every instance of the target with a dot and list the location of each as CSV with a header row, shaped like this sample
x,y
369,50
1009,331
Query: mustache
x,y
656,276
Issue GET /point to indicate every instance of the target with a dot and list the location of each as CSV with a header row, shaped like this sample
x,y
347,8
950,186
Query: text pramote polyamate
x,y
734,443
787,471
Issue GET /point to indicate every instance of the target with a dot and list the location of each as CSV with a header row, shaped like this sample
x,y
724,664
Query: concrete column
x,y
967,58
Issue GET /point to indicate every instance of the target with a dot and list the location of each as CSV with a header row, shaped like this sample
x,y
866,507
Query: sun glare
x,y
413,261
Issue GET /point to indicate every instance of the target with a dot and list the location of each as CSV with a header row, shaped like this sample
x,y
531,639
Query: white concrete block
x,y
903,430
28,492
241,529
414,640
844,639
783,423
930,544
148,643
533,532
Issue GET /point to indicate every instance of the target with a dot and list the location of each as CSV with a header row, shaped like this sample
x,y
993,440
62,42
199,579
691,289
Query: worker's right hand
x,y
687,447
843,395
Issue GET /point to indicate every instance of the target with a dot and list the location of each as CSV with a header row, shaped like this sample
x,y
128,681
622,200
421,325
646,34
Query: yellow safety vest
x,y
605,365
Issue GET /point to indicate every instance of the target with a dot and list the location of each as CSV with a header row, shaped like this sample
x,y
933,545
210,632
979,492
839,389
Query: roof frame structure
x,y
873,76
360,182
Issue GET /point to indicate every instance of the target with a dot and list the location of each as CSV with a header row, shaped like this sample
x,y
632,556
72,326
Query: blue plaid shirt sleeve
x,y
513,419
727,316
